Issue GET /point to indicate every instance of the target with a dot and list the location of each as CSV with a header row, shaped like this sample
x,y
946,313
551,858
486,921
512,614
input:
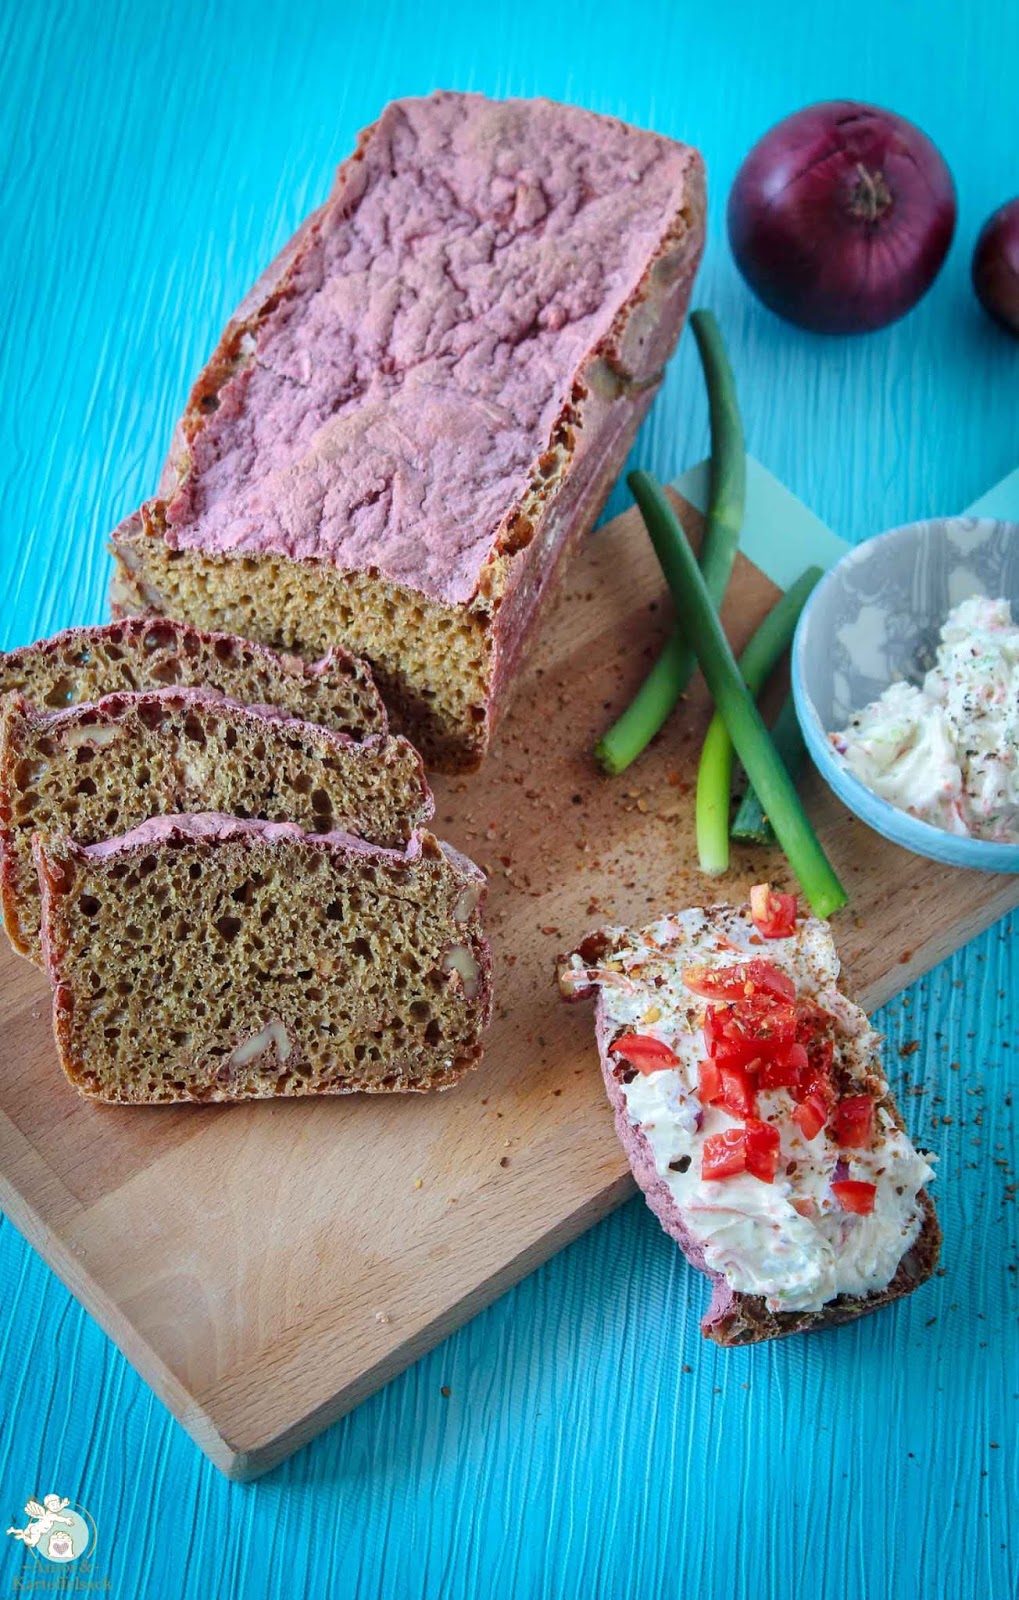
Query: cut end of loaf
x,y
209,959
431,662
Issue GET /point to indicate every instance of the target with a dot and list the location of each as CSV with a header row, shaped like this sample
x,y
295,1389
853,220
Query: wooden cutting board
x,y
266,1267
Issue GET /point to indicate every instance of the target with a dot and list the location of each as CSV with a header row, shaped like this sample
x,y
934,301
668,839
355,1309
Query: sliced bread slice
x,y
205,958
100,769
781,1168
156,652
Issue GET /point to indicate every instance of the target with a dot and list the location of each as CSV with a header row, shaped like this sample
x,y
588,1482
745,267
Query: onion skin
x,y
996,266
841,216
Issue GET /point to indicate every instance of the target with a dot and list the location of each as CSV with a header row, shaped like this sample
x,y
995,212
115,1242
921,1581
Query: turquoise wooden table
x,y
577,1439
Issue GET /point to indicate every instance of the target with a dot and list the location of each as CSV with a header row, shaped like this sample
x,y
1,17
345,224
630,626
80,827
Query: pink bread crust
x,y
576,507
111,706
460,233
497,287
734,1318
216,827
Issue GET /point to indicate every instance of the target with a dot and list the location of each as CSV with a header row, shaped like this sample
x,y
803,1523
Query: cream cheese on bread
x,y
789,1240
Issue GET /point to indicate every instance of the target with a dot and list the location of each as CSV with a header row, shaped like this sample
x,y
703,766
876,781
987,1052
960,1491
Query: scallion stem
x,y
648,712
751,825
714,774
699,620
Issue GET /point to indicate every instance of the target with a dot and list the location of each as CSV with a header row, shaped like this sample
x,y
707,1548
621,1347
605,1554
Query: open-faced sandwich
x,y
749,1097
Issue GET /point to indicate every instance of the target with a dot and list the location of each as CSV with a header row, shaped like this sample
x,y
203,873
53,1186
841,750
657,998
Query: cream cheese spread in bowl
x,y
908,646
947,750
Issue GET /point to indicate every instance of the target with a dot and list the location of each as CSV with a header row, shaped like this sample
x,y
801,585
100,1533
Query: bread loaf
x,y
422,405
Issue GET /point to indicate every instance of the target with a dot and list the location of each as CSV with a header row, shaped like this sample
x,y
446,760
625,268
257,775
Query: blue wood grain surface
x,y
590,1443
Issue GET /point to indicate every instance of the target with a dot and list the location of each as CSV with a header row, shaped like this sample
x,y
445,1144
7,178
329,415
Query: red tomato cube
x,y
709,1082
644,1053
853,1195
774,914
854,1121
725,1154
811,1116
763,1144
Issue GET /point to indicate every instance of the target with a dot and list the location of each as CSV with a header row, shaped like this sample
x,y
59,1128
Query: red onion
x,y
996,266
841,216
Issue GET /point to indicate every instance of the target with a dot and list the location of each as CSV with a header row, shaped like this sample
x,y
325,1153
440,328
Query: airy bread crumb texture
x,y
196,970
430,661
96,771
155,652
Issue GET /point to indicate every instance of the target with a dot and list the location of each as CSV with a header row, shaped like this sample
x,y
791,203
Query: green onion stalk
x,y
714,774
699,620
751,825
648,711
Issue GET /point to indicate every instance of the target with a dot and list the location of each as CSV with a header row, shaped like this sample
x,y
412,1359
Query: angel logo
x,y
59,1530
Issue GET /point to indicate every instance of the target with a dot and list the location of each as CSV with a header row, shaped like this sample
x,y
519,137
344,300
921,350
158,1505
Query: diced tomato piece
x,y
813,1023
854,1121
739,1033
741,982
725,1154
820,1083
644,1053
731,1087
785,1068
763,1143
753,1149
811,1115
774,914
709,1082
852,1195
817,1090
773,980
737,1093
